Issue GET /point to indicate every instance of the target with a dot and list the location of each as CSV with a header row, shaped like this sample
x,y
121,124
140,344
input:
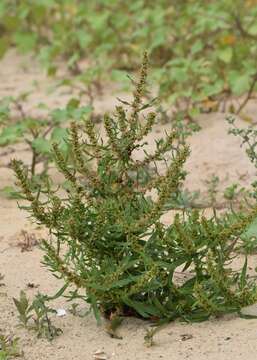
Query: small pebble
x,y
61,312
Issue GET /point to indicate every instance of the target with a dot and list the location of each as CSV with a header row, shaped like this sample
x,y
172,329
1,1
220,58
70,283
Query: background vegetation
x,y
202,52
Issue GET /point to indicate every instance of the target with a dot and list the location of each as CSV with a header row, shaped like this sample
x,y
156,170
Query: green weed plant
x,y
107,241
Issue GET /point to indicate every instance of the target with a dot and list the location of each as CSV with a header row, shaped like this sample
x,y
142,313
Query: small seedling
x,y
23,308
113,324
212,190
150,333
35,316
9,347
232,192
73,309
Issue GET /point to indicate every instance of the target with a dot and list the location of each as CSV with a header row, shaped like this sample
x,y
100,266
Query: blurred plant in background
x,y
203,53
36,134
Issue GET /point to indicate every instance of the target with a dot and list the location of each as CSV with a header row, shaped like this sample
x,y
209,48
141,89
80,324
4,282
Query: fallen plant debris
x,y
100,355
28,241
1,278
185,337
32,285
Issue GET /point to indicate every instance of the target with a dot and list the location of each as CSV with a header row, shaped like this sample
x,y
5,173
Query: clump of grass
x,y
107,239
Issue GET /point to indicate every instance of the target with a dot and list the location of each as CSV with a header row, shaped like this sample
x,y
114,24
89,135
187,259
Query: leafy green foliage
x,y
108,241
9,348
248,136
249,238
202,52
38,134
35,316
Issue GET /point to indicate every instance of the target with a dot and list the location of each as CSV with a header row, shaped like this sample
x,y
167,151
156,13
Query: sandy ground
x,y
213,152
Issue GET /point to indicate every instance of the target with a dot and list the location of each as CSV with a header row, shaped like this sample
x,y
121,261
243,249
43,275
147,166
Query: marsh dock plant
x,y
107,240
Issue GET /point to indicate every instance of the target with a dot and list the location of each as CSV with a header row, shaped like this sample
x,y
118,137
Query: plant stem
x,y
249,94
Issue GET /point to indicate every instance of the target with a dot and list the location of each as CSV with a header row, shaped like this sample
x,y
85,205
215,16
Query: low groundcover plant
x,y
107,241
